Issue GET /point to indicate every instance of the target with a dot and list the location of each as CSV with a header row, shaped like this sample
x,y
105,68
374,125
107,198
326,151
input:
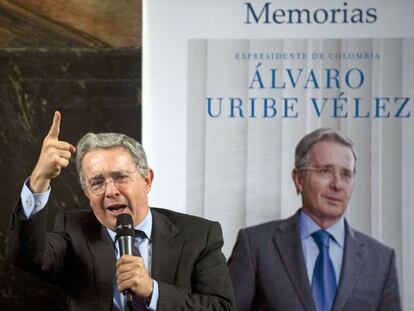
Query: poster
x,y
230,87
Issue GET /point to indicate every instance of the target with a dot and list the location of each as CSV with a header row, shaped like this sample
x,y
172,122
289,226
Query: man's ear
x,y
298,180
149,177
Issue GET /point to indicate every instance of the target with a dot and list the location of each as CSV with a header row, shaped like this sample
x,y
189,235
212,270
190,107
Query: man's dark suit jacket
x,y
187,261
268,271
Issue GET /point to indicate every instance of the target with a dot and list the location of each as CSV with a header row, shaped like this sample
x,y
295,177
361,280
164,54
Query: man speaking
x,y
176,261
314,260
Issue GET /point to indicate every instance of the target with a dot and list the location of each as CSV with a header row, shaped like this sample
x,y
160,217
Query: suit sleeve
x,y
210,281
31,247
242,272
390,299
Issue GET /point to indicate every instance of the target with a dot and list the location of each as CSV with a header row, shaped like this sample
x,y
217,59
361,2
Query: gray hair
x,y
304,146
92,141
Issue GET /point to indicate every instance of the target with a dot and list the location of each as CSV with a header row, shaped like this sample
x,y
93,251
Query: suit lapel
x,y
103,260
355,257
288,243
167,246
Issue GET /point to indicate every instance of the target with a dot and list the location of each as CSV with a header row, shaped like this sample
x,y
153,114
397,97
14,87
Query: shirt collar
x,y
307,226
144,226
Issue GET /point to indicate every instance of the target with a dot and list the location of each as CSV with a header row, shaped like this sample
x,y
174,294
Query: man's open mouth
x,y
116,208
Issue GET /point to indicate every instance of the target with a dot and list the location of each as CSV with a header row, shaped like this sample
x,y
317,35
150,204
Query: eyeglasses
x,y
98,183
330,172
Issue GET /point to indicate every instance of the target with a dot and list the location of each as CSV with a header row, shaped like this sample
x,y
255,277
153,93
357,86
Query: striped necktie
x,y
138,304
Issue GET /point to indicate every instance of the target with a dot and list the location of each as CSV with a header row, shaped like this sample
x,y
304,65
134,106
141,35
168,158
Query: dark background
x,y
83,58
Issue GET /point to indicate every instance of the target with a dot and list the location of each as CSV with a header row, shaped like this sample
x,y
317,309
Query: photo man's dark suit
x,y
187,261
268,271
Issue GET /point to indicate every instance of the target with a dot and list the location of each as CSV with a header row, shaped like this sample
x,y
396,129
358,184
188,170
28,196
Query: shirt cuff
x,y
154,298
32,202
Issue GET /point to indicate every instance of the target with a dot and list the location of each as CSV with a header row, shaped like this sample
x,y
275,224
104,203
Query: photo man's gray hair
x,y
92,141
302,153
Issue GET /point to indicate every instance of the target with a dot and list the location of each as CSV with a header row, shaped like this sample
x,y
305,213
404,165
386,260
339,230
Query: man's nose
x,y
337,181
111,189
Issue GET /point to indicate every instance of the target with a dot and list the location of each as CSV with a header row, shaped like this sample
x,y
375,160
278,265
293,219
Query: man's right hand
x,y
54,156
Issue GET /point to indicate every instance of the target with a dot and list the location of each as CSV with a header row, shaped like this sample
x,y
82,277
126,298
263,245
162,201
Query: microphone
x,y
124,237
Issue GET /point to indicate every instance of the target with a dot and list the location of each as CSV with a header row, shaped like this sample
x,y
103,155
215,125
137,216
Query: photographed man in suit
x,y
180,267
314,260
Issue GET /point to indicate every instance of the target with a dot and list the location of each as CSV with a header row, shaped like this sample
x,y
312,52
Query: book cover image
x,y
240,96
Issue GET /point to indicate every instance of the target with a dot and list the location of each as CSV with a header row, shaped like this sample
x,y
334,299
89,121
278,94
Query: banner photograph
x,y
248,80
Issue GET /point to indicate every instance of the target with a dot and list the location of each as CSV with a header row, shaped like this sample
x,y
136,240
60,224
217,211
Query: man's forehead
x,y
332,153
107,154
109,160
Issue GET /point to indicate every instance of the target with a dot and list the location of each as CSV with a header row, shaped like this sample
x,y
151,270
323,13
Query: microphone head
x,y
124,226
124,220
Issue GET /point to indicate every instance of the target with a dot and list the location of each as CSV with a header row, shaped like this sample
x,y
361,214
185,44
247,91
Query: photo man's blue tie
x,y
324,279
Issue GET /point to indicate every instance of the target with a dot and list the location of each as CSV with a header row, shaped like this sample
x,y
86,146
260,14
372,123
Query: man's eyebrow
x,y
111,173
334,166
98,176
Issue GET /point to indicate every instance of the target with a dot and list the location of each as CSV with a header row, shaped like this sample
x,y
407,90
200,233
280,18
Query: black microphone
x,y
124,237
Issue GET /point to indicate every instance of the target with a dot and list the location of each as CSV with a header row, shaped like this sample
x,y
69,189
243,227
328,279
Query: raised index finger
x,y
55,128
